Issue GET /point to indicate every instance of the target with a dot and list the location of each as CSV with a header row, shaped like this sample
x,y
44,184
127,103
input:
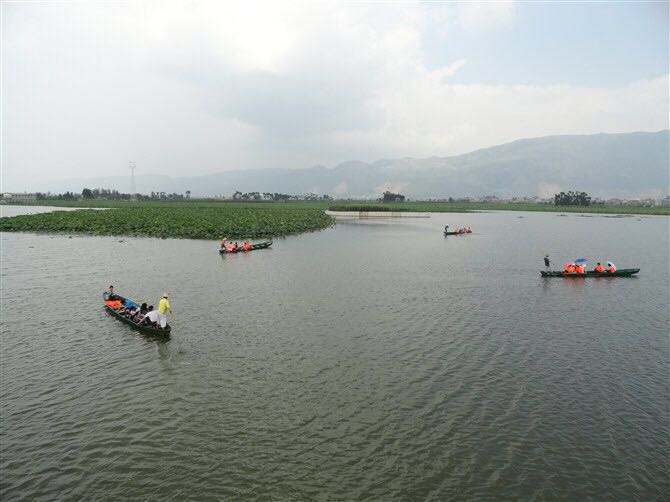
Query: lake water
x,y
9,210
376,360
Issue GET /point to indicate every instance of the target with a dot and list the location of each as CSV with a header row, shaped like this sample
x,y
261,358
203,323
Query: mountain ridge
x,y
603,164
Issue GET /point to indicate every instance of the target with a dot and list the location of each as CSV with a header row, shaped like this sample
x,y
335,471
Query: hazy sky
x,y
195,87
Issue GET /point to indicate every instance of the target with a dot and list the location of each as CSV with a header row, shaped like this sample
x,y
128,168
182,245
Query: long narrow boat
x,y
259,245
163,332
456,233
624,272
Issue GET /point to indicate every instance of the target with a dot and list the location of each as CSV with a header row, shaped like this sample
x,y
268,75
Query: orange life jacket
x,y
579,269
569,268
611,269
114,304
599,268
246,246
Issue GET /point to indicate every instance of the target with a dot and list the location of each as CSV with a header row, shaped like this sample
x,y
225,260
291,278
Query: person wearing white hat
x,y
611,268
163,309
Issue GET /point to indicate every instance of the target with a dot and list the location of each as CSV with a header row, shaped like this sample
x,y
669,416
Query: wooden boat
x,y
150,330
624,272
456,233
258,245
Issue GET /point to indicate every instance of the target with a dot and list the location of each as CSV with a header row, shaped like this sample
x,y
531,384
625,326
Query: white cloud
x,y
191,88
426,117
449,70
482,16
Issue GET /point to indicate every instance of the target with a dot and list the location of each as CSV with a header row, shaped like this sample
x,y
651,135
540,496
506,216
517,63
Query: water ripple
x,y
339,366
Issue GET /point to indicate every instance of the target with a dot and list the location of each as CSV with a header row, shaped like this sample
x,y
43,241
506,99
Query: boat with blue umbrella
x,y
577,269
623,272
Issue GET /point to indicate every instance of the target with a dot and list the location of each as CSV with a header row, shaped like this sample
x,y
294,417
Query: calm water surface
x,y
372,361
9,210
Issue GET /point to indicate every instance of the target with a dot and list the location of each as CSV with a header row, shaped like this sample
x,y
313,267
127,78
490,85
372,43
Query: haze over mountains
x,y
605,165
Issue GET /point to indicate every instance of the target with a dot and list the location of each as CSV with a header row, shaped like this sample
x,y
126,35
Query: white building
x,y
18,197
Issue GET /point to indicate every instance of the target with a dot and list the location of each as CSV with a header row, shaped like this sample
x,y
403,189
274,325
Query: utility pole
x,y
132,179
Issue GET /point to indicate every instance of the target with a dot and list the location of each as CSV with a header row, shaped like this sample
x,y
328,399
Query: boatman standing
x,y
163,309
547,263
110,295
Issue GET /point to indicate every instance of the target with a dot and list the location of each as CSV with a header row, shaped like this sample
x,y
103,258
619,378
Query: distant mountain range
x,y
605,165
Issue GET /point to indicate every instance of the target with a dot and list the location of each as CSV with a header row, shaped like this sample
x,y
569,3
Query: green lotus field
x,y
188,221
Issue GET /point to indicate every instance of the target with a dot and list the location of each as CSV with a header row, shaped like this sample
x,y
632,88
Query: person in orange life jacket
x,y
599,268
611,268
569,268
246,246
580,269
114,304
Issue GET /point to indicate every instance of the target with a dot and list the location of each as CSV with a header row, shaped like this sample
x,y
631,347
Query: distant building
x,y
665,201
18,197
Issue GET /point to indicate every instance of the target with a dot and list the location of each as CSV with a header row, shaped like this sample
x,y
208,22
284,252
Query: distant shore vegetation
x,y
270,215
466,207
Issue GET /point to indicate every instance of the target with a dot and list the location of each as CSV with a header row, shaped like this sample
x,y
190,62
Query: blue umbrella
x,y
581,260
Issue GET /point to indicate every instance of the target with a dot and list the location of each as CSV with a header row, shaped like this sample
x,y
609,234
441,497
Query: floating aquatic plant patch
x,y
179,221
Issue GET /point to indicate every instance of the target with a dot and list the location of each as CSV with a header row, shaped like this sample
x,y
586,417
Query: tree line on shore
x,y
572,199
569,198
112,194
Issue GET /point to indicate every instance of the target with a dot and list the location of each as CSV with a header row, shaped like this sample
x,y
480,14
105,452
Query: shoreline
x,y
409,206
213,220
